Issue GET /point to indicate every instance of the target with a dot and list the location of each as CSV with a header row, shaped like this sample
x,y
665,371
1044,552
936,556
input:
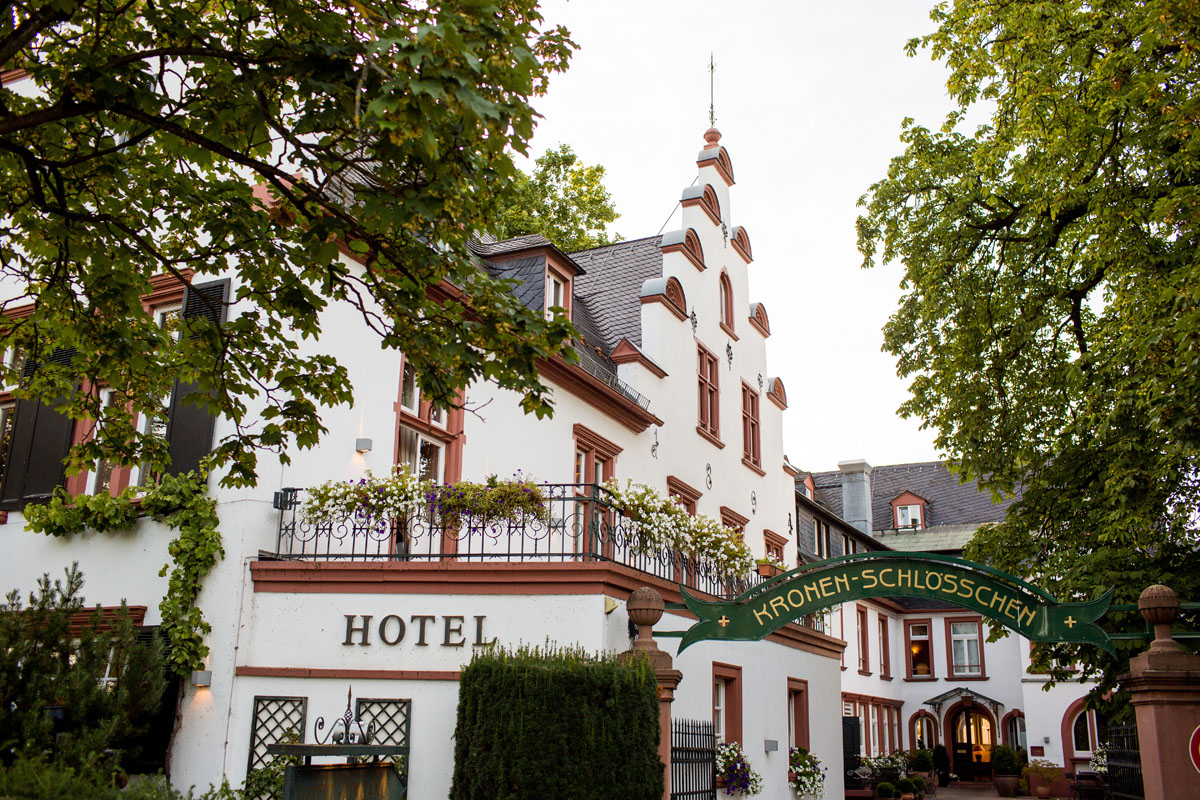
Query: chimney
x,y
856,494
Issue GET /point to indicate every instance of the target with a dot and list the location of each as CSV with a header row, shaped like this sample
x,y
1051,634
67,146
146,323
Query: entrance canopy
x,y
959,693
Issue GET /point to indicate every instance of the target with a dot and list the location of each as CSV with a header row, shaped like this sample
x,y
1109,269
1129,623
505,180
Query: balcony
x,y
582,525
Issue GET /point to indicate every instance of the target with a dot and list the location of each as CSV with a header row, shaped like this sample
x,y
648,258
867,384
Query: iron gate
x,y
693,760
1124,763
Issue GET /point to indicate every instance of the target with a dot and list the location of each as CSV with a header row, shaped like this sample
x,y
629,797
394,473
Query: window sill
x,y
885,677
754,467
729,330
921,678
866,672
710,436
968,677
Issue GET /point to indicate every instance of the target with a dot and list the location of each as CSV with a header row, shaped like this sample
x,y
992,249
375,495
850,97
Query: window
x,y
774,544
821,539
1015,731
908,517
102,476
864,654
595,456
797,712
894,742
726,299
684,494
709,423
750,437
1087,729
885,658
924,731
920,649
874,722
727,702
964,641
847,544
422,454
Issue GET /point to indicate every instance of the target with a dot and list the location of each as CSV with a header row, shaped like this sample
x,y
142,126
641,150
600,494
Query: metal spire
x,y
712,114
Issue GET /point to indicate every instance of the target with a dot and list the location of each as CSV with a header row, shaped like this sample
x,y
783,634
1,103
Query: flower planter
x,y
1006,785
768,570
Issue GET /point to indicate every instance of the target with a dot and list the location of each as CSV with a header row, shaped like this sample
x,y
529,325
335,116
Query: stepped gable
x,y
612,283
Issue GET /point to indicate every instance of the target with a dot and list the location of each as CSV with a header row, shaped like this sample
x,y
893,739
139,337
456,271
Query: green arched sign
x,y
996,595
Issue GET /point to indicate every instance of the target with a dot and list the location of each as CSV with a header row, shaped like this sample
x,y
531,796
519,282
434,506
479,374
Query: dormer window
x,y
908,517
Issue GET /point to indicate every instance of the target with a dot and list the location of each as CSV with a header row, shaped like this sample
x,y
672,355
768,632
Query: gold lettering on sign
x,y
979,599
869,575
841,583
758,615
904,577
951,584
929,581
917,580
796,601
826,586
967,583
810,590
1021,616
997,601
779,605
1009,606
883,572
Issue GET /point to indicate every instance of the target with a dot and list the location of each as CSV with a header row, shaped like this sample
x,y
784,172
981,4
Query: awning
x,y
962,693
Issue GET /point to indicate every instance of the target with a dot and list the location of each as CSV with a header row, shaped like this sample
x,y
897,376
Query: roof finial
x,y
712,114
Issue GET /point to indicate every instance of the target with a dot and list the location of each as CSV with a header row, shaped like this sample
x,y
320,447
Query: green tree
x,y
384,128
1051,316
103,682
563,200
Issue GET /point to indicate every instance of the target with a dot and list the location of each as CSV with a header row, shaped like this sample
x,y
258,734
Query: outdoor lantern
x,y
362,445
202,678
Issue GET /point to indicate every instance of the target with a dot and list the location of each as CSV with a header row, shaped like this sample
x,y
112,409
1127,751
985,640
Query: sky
x,y
809,98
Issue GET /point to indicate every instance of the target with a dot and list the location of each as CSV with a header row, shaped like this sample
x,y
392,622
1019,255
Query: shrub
x,y
919,782
885,790
941,759
922,760
1006,760
906,786
536,723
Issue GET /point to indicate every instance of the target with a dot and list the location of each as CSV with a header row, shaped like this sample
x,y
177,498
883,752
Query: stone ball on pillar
x,y
1159,605
645,606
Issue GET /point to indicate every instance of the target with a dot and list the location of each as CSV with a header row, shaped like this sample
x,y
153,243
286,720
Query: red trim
x,y
360,674
596,393
778,394
982,676
1016,713
720,162
626,352
707,201
948,722
672,297
908,665
1067,730
712,439
726,315
885,648
690,247
685,492
590,440
708,410
741,243
912,728
732,675
759,321
80,620
733,519
862,622
799,711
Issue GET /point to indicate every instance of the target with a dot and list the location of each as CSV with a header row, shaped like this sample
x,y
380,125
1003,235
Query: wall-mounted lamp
x,y
362,445
202,677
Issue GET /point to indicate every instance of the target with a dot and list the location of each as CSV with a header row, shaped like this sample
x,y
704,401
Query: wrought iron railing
x,y
580,524
1124,763
693,760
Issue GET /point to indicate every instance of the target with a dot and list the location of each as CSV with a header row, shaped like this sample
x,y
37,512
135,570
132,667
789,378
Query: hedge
x,y
556,724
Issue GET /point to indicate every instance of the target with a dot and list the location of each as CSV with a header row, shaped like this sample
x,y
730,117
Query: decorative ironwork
x,y
729,353
1124,763
760,382
654,447
601,369
790,528
388,718
346,729
693,760
695,320
753,503
275,720
581,524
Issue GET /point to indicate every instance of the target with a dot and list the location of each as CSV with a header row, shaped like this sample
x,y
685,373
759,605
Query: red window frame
x,y
751,438
708,385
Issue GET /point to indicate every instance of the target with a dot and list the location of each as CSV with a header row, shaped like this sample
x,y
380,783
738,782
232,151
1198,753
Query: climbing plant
x,y
179,501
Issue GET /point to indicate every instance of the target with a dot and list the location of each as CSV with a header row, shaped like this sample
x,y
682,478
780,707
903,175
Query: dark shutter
x,y
189,426
41,437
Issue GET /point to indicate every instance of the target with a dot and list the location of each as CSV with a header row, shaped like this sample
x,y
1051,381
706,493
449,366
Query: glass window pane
x,y
1081,735
431,461
409,396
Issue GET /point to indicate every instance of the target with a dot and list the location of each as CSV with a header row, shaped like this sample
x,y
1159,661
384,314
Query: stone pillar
x,y
645,608
1164,688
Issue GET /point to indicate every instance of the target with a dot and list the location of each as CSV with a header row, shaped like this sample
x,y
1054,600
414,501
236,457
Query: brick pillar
x,y
645,608
1164,688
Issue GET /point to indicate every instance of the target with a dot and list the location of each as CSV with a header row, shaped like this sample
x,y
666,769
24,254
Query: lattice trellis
x,y
275,718
391,718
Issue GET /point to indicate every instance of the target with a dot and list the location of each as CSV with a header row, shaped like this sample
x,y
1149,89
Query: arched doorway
x,y
972,735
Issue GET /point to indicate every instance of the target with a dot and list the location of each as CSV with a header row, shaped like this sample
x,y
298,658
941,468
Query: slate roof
x,y
949,502
493,248
530,275
612,283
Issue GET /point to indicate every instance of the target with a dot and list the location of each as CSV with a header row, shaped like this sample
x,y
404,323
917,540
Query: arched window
x,y
726,303
1082,730
1014,730
923,730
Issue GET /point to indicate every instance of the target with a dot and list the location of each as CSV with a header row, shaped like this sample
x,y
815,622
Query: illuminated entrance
x,y
972,736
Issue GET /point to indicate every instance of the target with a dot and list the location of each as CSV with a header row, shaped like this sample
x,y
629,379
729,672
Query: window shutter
x,y
189,426
41,437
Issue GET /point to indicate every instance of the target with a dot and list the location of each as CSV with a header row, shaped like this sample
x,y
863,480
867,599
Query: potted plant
x,y
735,771
806,776
941,764
1047,772
1006,769
885,790
907,789
920,762
769,567
919,782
